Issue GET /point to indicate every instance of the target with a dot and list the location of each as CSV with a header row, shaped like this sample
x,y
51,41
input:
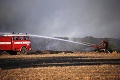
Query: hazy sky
x,y
70,18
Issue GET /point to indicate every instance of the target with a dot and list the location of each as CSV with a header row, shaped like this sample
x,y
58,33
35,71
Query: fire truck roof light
x,y
13,34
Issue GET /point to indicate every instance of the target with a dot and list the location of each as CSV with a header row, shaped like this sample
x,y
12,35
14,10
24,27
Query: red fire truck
x,y
15,43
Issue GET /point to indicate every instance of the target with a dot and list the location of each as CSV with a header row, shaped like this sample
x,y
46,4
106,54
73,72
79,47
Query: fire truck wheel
x,y
23,50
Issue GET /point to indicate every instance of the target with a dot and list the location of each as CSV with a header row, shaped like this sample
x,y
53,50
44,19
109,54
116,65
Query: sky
x,y
61,18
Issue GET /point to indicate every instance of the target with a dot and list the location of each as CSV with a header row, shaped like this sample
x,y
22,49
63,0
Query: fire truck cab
x,y
15,43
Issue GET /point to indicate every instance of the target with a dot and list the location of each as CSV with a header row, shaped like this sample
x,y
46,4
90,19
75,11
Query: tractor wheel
x,y
23,51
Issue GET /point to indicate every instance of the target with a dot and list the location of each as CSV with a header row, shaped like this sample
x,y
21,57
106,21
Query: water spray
x,y
82,43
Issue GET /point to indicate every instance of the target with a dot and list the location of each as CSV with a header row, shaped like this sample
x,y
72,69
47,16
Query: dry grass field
x,y
69,66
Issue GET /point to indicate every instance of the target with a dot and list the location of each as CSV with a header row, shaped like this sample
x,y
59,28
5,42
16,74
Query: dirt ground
x,y
69,66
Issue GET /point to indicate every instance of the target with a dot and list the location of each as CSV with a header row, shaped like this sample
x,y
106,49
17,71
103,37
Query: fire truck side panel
x,y
18,44
5,43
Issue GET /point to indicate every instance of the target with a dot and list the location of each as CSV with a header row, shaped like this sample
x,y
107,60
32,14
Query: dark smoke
x,y
40,43
45,43
71,18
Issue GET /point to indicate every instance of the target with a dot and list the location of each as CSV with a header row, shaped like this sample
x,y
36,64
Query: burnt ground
x,y
11,63
62,60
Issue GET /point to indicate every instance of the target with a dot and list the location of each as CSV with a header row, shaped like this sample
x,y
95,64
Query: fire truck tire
x,y
24,50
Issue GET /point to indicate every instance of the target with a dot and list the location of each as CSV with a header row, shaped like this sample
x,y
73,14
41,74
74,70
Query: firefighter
x,y
103,46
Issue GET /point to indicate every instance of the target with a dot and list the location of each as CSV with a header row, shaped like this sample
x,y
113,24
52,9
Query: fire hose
x,y
97,47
